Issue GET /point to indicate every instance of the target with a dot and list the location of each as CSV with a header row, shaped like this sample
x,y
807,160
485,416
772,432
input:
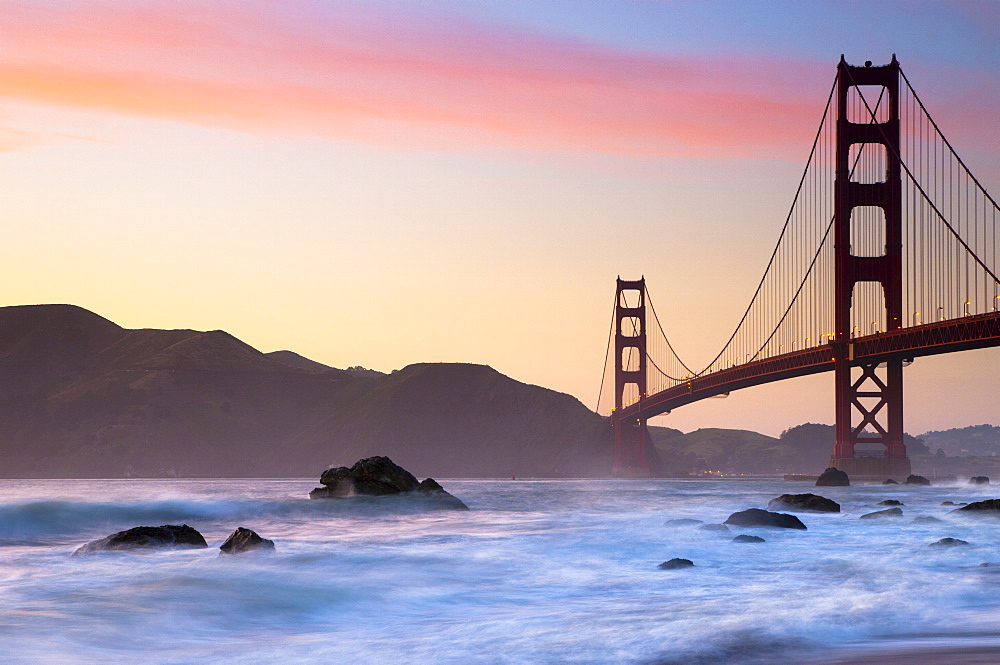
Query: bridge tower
x,y
869,397
631,438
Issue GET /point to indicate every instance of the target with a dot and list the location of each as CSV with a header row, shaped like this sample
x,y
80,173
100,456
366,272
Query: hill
x,y
725,450
977,440
83,397
804,448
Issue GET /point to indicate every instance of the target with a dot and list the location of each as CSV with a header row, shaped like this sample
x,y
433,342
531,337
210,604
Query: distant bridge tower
x,y
869,402
631,437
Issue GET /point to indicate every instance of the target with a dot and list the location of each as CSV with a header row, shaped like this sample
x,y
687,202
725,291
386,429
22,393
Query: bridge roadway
x,y
968,332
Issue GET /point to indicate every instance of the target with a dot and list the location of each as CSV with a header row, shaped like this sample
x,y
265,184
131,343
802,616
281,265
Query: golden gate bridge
x,y
888,253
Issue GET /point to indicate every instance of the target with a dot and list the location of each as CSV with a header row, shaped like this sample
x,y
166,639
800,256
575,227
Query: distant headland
x,y
82,397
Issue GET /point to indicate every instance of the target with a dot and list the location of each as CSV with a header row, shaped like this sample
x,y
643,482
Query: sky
x,y
380,183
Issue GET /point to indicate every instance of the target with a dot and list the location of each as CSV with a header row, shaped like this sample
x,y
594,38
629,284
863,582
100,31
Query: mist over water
x,y
535,572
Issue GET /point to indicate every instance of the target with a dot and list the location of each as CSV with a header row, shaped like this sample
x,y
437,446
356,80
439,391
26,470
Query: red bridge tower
x,y
869,397
631,438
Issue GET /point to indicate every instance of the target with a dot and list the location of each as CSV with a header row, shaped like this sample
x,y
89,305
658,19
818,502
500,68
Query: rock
x,y
380,476
890,512
990,564
890,481
675,564
833,478
948,503
989,506
743,538
804,502
429,486
245,540
146,537
758,517
979,480
916,480
337,481
682,521
926,519
890,502
948,542
375,476
714,527
431,489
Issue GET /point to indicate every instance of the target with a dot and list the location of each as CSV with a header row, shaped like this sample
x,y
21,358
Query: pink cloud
x,y
422,81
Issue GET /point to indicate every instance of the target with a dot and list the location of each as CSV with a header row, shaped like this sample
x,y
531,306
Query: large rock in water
x,y
146,537
916,480
979,480
833,478
380,476
804,502
376,476
245,540
989,506
758,517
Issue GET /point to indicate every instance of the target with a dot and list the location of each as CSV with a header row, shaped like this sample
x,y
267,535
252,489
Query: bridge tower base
x,y
874,468
632,442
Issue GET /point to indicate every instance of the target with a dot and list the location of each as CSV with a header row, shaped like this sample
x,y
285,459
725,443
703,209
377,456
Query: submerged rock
x,y
879,514
245,540
979,480
916,480
948,542
804,502
833,477
890,481
714,527
758,517
926,519
682,521
380,476
744,538
989,506
146,537
890,502
675,564
950,503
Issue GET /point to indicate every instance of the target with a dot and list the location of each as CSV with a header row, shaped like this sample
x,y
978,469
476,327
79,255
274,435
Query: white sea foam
x,y
535,572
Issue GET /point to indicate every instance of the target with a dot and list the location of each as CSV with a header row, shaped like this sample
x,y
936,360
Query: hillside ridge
x,y
84,397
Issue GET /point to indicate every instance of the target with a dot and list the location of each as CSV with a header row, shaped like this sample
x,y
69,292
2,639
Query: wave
x,y
44,522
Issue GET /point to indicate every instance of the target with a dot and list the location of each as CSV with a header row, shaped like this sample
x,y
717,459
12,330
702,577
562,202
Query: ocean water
x,y
535,572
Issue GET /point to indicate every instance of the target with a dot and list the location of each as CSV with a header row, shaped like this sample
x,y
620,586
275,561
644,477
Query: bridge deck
x,y
962,334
